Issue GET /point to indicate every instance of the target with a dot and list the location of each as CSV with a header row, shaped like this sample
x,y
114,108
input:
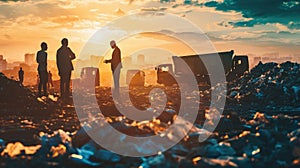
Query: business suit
x,y
116,66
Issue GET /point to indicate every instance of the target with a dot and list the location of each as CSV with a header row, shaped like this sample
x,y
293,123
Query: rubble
x,y
263,145
270,86
15,149
244,137
21,100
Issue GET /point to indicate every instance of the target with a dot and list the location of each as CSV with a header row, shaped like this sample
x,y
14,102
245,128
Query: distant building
x,y
141,59
29,59
3,63
89,74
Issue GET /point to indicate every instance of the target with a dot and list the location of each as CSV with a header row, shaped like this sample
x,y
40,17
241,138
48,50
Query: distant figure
x,y
21,75
50,82
64,57
41,59
116,65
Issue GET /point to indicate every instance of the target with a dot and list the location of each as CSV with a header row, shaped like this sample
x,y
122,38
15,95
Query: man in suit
x,y
116,65
64,57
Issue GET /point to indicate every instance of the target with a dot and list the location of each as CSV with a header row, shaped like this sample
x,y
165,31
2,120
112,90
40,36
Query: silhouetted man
x,y
21,75
41,59
116,65
64,57
50,82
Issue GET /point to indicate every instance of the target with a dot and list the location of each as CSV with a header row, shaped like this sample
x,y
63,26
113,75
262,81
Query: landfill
x,y
259,126
269,86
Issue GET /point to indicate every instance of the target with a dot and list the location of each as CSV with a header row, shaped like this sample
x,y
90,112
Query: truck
x,y
135,77
88,75
234,67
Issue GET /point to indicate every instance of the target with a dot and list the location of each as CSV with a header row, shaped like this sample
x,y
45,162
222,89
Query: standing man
x,y
116,65
21,75
50,81
64,57
41,59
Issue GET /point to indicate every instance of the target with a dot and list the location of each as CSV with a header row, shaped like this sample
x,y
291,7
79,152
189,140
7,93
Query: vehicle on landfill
x,y
234,67
89,74
135,77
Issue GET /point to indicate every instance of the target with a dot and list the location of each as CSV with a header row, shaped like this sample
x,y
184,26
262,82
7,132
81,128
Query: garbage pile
x,y
270,84
263,141
15,98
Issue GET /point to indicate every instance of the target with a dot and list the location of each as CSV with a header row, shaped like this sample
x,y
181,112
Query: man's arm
x,y
114,55
107,61
37,57
72,55
46,58
58,61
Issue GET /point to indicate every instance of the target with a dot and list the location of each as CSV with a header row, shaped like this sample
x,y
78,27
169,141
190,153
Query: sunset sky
x,y
248,27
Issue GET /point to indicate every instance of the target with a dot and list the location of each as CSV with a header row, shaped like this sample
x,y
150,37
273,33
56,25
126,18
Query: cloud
x,y
58,14
261,12
13,0
240,35
7,36
255,37
66,19
254,12
154,9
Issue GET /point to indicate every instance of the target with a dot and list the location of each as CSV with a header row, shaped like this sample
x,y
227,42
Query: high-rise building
x,y
3,63
29,59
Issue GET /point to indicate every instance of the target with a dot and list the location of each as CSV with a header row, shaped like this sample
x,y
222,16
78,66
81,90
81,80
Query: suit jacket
x,y
64,57
116,59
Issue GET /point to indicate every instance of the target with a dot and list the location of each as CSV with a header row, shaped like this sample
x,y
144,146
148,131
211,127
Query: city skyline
x,y
246,27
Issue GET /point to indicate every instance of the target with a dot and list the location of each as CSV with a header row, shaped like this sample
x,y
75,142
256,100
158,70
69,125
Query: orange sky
x,y
25,24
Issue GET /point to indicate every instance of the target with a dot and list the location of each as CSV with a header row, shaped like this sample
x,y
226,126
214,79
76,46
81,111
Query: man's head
x,y
20,68
64,42
44,46
113,44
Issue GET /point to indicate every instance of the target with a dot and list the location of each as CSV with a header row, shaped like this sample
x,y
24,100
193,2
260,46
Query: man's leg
x,y
62,89
68,78
40,84
116,75
45,82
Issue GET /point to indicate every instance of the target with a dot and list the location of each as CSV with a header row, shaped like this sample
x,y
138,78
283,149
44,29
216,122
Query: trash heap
x,y
17,99
263,141
268,85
